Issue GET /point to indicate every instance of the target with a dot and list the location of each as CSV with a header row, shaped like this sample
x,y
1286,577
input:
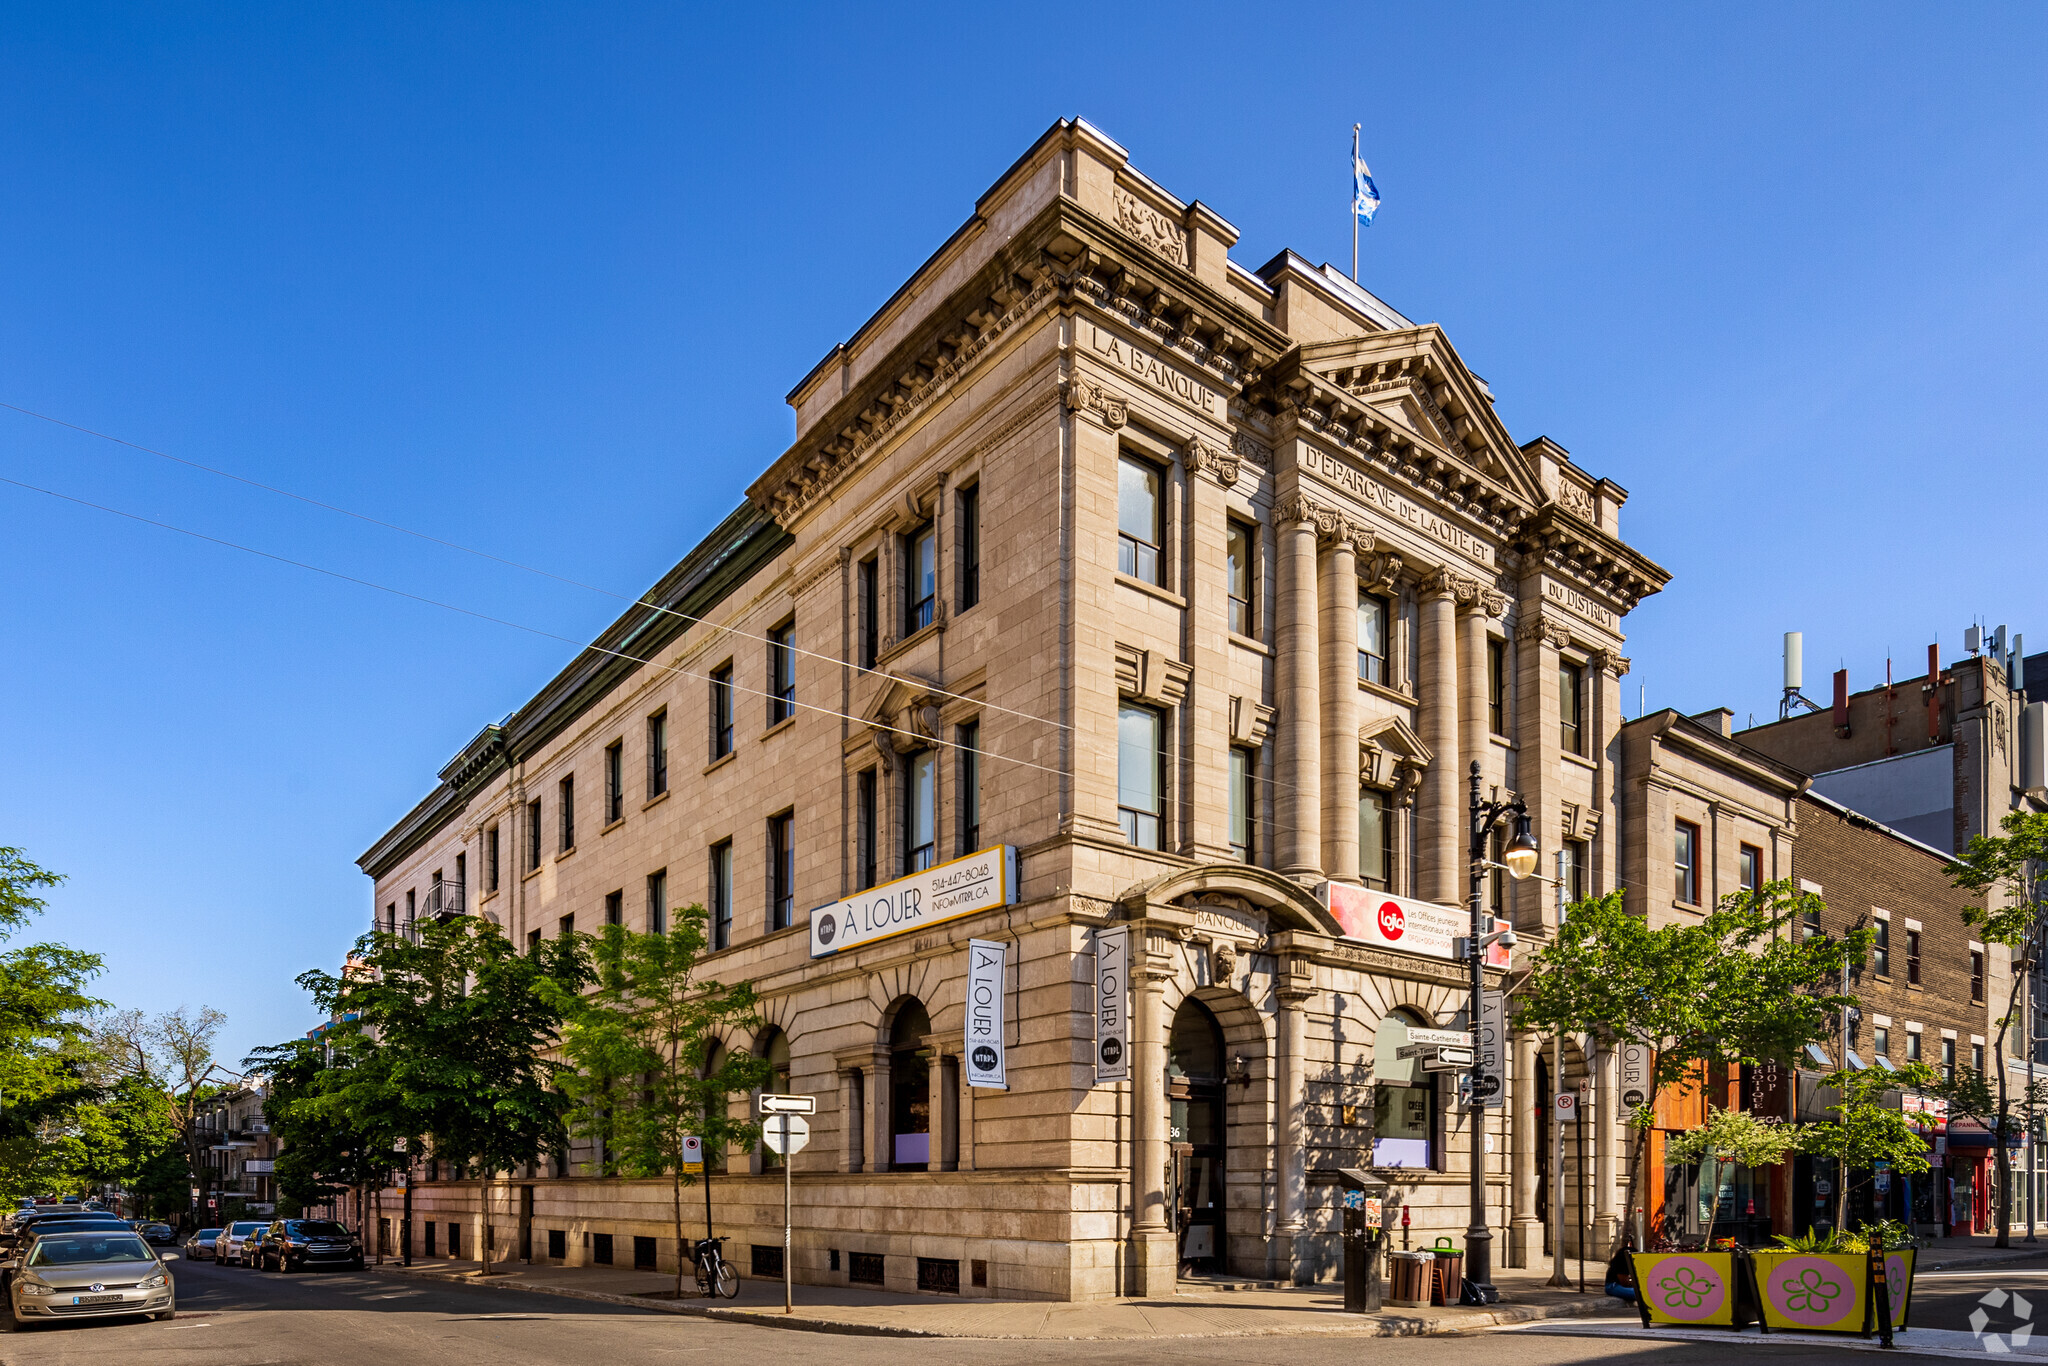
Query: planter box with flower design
x,y
1700,1289
1828,1292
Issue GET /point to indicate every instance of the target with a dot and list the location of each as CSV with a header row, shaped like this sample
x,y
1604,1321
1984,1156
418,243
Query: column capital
x,y
1222,462
1333,527
1610,662
1442,582
1486,602
1536,626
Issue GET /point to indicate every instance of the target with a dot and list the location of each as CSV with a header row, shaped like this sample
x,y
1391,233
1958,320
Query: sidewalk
x,y
1955,1254
1196,1312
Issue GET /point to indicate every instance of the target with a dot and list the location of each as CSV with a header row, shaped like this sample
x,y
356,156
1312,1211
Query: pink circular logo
x,y
1687,1289
1897,1280
1392,922
1811,1292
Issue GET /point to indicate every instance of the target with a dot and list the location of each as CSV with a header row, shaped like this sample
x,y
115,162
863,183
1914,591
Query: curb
x,y
1343,1326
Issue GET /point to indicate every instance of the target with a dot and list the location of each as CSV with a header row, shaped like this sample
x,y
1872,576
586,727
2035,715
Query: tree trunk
x,y
1635,1171
1713,1203
483,1222
2002,1154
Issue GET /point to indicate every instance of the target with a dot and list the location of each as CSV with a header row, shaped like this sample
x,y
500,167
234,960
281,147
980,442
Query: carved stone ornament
x,y
1225,465
1385,570
1250,722
1610,662
1153,229
1492,601
1331,524
1222,961
1151,675
1540,627
1086,396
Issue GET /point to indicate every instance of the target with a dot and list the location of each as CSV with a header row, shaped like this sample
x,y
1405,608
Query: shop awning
x,y
1974,1133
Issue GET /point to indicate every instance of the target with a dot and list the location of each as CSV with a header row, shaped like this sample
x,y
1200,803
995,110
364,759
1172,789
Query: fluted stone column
x,y
1440,819
1609,1134
1531,1110
1291,1259
1154,1257
1297,782
1338,650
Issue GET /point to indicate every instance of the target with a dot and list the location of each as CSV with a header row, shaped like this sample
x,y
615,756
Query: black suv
x,y
295,1244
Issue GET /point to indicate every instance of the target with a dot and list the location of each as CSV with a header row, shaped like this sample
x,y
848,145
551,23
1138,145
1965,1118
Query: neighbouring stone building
x,y
1198,587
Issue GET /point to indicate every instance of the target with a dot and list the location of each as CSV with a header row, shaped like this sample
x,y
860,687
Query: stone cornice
x,y
1574,549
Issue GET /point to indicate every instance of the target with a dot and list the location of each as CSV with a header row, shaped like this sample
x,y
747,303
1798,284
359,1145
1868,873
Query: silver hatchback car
x,y
89,1275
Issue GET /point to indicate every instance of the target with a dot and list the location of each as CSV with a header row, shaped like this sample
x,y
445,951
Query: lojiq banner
x,y
1404,924
985,1062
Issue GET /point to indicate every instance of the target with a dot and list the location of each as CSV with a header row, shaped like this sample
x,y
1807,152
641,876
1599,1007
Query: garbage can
x,y
1447,1275
1408,1278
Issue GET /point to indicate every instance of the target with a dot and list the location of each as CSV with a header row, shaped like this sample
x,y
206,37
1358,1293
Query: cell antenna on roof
x,y
1795,677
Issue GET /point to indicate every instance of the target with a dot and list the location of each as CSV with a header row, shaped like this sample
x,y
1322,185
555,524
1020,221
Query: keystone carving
x,y
1385,569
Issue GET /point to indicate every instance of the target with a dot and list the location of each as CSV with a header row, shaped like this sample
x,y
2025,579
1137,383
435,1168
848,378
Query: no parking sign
x,y
1567,1107
693,1154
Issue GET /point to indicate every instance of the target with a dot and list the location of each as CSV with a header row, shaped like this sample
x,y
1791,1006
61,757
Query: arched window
x,y
1404,1112
910,1088
773,1048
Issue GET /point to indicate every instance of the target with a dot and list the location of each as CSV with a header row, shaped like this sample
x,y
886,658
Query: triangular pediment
x,y
1416,379
905,707
1393,734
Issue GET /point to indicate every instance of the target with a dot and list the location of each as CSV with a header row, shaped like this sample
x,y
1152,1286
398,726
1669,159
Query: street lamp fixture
x,y
1520,859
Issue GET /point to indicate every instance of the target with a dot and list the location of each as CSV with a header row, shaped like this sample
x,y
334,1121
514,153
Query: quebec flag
x,y
1365,197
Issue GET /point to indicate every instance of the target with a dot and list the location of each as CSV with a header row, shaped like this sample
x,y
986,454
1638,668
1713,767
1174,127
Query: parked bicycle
x,y
715,1275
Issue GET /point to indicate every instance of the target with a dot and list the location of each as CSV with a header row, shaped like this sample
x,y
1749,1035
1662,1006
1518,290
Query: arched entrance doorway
x,y
1196,1128
910,1089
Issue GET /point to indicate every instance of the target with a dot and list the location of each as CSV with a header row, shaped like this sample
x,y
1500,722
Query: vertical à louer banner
x,y
1490,1093
1112,1004
985,960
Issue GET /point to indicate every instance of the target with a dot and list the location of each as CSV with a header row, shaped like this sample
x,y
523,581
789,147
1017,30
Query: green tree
x,y
329,1107
2007,868
124,1138
46,1067
172,1051
1865,1130
1739,985
640,1044
463,1024
1730,1138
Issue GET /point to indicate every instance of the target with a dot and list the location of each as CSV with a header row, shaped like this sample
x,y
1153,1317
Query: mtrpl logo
x,y
827,927
984,1057
1112,1051
1392,922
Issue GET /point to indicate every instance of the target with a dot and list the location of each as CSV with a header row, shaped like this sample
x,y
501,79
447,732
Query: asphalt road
x,y
228,1316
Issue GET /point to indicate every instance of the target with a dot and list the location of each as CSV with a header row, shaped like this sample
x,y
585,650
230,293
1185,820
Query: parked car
x,y
14,1244
300,1244
231,1248
106,1272
199,1247
158,1235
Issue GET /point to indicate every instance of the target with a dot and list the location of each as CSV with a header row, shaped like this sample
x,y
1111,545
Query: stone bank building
x,y
1199,589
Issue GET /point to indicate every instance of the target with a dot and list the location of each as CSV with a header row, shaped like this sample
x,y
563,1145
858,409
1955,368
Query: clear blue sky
x,y
536,278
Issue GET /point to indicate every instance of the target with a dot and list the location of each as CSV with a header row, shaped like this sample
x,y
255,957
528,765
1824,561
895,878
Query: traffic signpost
x,y
785,1130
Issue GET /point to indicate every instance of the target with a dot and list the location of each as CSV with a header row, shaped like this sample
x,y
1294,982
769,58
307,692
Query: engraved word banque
x,y
1329,467
1135,360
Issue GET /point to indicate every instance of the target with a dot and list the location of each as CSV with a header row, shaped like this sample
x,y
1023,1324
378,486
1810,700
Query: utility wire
x,y
457,546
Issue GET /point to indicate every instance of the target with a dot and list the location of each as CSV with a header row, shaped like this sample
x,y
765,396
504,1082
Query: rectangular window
x,y
565,792
1497,686
615,781
920,577
1913,1045
657,754
1372,639
491,859
721,711
657,902
721,895
781,871
967,509
869,611
1912,957
1140,775
920,810
1578,863
1686,863
533,834
1376,839
1881,948
600,1248
1948,1059
615,908
1750,867
1140,527
533,941
1976,974
1242,766
1881,1040
565,927
782,673
1571,707
865,826
1404,1126
643,1253
1977,1058
1238,541
970,787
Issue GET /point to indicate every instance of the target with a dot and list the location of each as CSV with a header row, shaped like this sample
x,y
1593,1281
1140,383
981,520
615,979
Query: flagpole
x,y
1354,203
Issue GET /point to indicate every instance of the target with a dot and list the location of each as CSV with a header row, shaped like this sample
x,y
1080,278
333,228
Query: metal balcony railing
x,y
443,899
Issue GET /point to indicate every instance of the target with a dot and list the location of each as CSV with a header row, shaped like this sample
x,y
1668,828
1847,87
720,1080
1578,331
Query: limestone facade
x,y
1084,491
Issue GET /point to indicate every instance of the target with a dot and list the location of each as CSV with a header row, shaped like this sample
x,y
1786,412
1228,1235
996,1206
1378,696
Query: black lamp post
x,y
1519,858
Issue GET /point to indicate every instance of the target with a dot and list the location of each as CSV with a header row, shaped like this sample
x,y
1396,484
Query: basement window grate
x,y
939,1275
767,1261
864,1268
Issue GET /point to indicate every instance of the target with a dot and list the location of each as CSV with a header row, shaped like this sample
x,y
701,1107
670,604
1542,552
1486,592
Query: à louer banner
x,y
985,1062
982,881
1112,1004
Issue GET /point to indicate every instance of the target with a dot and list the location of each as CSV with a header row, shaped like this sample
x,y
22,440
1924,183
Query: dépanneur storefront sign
x,y
946,891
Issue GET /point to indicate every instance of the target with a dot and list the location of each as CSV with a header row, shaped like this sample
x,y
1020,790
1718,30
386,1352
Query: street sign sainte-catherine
x,y
787,1105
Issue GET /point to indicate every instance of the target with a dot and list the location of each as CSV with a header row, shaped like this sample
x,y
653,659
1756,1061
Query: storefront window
x,y
1404,1100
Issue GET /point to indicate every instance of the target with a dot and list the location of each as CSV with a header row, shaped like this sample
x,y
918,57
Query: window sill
x,y
1394,695
1151,590
529,874
613,826
1502,741
909,642
657,799
1256,646
1580,760
721,761
565,853
1691,907
780,726
487,898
